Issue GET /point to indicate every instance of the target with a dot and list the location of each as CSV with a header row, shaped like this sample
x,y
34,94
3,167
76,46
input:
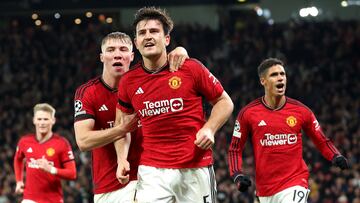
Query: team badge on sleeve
x,y
237,132
291,121
175,82
77,105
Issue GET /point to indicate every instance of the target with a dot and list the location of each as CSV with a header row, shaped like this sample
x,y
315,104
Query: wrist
x,y
53,170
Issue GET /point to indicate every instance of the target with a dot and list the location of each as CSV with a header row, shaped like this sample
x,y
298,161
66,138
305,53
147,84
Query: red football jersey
x,y
96,100
41,186
277,144
171,112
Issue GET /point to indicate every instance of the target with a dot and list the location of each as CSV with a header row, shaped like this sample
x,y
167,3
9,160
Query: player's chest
x,y
104,110
277,130
276,122
36,151
160,89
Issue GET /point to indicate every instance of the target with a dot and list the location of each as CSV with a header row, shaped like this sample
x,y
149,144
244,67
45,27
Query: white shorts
x,y
160,185
27,201
122,195
295,194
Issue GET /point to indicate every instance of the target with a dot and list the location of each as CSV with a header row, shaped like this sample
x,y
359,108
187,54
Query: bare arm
x,y
87,138
222,109
122,149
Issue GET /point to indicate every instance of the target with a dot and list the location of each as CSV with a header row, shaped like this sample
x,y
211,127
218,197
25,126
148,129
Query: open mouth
x,y
149,44
117,64
279,86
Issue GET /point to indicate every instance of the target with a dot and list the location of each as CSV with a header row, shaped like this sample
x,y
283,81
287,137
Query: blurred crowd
x,y
323,66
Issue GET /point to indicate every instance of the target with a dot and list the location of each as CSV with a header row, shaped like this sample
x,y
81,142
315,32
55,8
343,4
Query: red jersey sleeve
x,y
67,169
18,162
240,135
67,154
83,105
206,83
313,129
124,101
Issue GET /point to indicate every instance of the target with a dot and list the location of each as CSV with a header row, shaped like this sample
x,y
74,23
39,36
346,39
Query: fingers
x,y
174,62
203,142
124,179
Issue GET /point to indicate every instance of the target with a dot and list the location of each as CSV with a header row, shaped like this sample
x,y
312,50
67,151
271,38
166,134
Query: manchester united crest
x,y
291,121
175,82
50,151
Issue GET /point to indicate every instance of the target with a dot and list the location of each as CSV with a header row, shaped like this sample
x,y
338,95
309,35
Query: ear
x,y
132,56
262,81
101,57
167,40
33,120
135,42
53,121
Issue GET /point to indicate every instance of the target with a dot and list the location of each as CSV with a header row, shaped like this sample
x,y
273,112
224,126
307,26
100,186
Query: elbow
x,y
74,176
82,146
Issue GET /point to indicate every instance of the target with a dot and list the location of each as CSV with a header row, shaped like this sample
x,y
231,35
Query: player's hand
x,y
44,164
341,162
128,122
242,182
204,138
177,58
19,187
122,171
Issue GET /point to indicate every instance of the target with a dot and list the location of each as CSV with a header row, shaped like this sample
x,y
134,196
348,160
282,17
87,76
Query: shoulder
x,y
26,138
193,62
135,69
86,87
297,103
60,139
250,107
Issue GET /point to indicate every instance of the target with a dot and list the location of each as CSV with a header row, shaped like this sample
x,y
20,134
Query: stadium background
x,y
45,53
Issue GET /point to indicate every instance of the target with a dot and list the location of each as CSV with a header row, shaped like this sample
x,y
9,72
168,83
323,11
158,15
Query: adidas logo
x,y
139,91
262,123
29,150
103,108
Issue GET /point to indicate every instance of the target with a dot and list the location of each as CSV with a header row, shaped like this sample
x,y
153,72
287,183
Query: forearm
x,y
18,168
220,112
68,172
90,139
122,147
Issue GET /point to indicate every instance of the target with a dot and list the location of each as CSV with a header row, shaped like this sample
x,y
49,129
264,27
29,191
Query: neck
x,y
274,102
43,137
111,81
155,63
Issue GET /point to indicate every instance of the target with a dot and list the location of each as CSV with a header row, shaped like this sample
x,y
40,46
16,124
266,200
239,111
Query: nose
x,y
117,54
147,35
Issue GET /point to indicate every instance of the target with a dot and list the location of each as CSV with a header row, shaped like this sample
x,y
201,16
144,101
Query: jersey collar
x,y
107,86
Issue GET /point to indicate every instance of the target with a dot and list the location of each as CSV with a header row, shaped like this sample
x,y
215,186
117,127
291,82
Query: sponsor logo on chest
x,y
161,107
278,139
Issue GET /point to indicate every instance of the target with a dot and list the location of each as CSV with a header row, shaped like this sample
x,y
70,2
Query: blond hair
x,y
117,36
45,107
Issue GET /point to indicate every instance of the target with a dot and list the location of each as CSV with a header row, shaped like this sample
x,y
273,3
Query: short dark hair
x,y
152,13
268,63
